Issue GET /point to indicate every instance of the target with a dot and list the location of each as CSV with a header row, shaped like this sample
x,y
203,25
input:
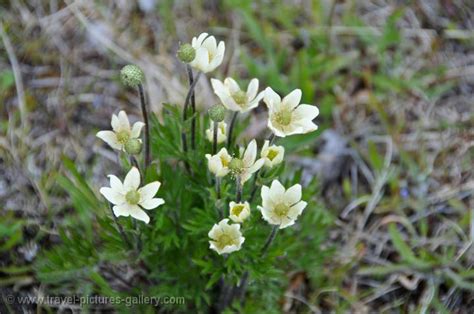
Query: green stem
x,y
238,189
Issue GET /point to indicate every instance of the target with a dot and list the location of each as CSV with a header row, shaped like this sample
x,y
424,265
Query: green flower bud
x,y
131,75
186,53
133,146
217,113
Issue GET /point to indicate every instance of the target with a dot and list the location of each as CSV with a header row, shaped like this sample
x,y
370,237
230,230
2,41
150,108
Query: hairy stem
x,y
147,126
270,239
193,108
214,137
120,228
231,129
238,188
185,111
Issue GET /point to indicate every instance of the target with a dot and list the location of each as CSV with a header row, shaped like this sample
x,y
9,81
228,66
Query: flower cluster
x,y
128,198
280,206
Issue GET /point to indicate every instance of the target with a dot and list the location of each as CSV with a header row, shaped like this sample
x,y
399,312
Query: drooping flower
x,y
122,133
272,154
235,99
225,238
129,199
221,132
218,164
287,116
209,55
238,212
246,165
280,206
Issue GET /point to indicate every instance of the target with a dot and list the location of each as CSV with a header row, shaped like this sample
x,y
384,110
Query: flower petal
x,y
110,138
112,195
271,98
148,191
293,194
121,210
297,209
152,203
115,122
123,124
115,183
252,89
232,85
277,190
250,153
138,213
132,180
136,129
292,99
306,112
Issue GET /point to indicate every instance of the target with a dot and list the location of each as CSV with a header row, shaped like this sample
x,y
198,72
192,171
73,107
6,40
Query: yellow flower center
x,y
281,210
272,154
237,209
132,197
236,165
283,117
224,161
240,97
123,136
224,240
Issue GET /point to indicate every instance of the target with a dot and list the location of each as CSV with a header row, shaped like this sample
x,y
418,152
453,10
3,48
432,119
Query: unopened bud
x,y
217,113
133,146
186,53
131,75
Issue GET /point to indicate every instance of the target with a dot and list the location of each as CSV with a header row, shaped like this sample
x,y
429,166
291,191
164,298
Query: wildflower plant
x,y
197,214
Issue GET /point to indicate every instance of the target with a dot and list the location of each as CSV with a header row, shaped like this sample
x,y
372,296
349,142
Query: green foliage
x,y
172,251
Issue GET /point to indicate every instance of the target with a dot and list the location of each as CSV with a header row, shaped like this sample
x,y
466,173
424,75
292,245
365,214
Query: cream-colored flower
x,y
225,238
235,99
246,165
221,132
122,132
287,116
238,212
209,55
129,199
273,154
281,207
219,163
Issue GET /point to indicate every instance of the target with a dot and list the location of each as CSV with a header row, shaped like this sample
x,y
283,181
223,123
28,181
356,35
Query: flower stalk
x,y
120,228
214,137
185,109
231,129
193,108
147,126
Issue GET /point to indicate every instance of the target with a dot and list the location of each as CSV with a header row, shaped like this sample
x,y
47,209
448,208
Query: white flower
x,y
129,199
122,132
209,55
221,132
287,116
219,163
279,206
225,238
238,212
233,98
273,154
246,165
